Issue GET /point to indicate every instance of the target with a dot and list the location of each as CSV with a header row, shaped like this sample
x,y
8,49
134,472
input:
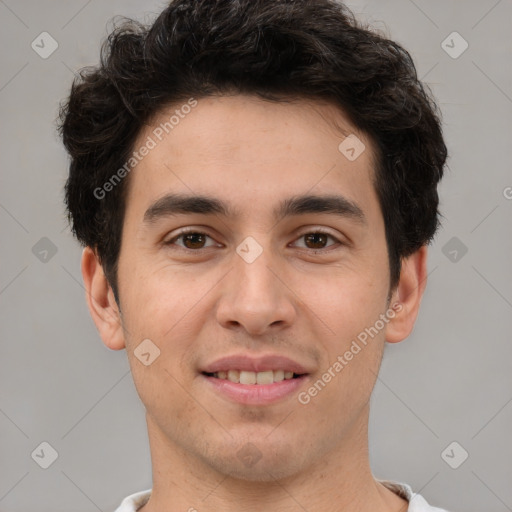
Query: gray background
x,y
450,381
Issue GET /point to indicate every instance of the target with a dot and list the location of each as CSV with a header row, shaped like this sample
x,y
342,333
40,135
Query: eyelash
x,y
188,231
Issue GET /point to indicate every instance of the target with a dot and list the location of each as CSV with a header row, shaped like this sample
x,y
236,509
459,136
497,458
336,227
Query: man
x,y
255,185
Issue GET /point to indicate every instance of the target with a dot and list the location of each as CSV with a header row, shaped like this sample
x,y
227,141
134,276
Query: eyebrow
x,y
176,204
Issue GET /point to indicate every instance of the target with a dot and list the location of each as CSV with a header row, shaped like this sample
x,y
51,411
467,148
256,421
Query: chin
x,y
258,461
264,470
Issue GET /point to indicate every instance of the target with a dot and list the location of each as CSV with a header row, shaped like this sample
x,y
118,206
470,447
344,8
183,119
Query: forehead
x,y
250,153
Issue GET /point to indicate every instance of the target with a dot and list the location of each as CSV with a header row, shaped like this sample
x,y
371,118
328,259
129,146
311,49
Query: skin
x,y
293,301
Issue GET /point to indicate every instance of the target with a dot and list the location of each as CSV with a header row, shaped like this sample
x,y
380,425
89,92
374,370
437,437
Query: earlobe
x,y
101,302
407,296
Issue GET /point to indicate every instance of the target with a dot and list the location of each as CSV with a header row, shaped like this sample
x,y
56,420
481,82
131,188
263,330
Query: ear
x,y
100,299
406,298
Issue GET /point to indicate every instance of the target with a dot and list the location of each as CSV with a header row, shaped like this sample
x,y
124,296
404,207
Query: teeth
x,y
234,375
265,377
279,375
249,378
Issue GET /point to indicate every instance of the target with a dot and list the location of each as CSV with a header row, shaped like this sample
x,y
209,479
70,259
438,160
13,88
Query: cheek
x,y
346,299
346,306
156,297
159,306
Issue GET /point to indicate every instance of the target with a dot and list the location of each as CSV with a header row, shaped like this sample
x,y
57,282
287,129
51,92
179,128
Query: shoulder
x,y
416,502
133,502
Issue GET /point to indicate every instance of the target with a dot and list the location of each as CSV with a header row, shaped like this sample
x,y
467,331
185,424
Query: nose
x,y
255,297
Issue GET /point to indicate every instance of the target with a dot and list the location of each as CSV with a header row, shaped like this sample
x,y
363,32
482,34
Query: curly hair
x,y
277,50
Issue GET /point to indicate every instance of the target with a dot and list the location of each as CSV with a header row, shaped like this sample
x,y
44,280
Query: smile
x,y
253,378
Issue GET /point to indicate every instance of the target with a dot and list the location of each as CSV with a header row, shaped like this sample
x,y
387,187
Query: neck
x,y
342,480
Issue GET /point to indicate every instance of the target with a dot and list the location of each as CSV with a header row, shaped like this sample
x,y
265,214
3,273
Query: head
x,y
245,105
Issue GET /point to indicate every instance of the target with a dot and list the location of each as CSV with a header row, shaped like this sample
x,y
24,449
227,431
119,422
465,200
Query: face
x,y
283,267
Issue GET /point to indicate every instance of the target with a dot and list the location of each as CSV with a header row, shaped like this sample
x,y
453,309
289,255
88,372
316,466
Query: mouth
x,y
255,380
250,378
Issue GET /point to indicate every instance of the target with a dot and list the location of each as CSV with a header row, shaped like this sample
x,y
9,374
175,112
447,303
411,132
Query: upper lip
x,y
254,364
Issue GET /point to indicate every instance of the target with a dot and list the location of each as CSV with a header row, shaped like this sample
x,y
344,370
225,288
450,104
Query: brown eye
x,y
191,240
317,240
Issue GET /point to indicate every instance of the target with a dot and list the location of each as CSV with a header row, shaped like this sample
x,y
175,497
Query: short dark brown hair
x,y
277,50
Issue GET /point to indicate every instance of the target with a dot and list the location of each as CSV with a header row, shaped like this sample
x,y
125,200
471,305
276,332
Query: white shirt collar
x,y
416,502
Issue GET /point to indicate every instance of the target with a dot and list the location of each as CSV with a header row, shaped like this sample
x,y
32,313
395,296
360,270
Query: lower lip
x,y
256,394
